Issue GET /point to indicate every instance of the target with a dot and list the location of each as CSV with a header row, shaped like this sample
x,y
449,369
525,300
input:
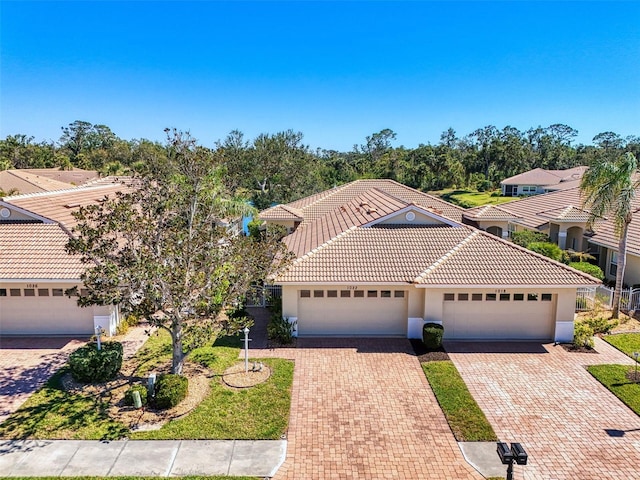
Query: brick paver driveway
x,y
25,364
543,397
362,409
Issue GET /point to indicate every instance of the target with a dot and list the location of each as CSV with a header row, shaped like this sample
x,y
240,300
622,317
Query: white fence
x,y
262,295
586,298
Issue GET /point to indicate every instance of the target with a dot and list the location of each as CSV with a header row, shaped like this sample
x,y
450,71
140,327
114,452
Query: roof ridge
x,y
60,192
332,192
446,256
324,245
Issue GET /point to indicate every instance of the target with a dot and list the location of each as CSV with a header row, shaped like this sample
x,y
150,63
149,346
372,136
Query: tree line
x,y
277,168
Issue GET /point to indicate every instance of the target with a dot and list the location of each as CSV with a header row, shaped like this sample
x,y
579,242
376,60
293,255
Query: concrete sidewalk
x,y
162,458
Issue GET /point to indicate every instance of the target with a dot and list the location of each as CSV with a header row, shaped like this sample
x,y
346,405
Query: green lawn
x,y
472,198
614,377
465,418
625,342
259,412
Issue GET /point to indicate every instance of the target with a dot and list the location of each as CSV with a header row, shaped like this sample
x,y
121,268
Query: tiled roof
x,y
566,214
25,182
60,205
75,176
540,176
529,208
36,251
433,255
369,206
487,260
490,212
320,204
282,212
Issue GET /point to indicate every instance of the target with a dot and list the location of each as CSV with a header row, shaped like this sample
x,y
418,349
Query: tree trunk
x,y
622,262
177,360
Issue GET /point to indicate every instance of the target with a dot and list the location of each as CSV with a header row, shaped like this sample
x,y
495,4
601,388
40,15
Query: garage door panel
x,y
352,316
499,320
44,316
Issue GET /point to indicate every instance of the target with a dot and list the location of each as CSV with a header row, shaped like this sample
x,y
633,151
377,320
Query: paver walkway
x,y
543,397
362,409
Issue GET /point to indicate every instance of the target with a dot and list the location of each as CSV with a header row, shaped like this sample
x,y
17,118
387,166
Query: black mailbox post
x,y
508,456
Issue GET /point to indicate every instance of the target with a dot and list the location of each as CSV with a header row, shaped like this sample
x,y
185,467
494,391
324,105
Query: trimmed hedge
x,y
90,365
586,267
170,390
432,334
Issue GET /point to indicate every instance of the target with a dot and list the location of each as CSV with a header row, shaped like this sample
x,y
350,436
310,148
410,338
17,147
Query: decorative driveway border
x,y
362,409
543,397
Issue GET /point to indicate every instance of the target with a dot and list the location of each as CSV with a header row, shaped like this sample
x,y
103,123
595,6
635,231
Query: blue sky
x,y
335,71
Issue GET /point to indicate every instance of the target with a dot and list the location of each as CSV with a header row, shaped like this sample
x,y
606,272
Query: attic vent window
x,y
410,216
5,213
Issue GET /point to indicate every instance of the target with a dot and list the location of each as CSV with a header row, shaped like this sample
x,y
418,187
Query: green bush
x,y
582,335
126,323
141,389
586,267
280,329
600,325
547,249
525,237
90,365
432,334
170,390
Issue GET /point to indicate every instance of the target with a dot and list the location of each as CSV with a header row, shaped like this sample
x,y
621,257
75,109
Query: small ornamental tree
x,y
162,250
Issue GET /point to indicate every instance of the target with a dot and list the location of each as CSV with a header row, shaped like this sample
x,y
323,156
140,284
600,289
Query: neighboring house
x,y
539,180
35,269
375,257
561,216
20,181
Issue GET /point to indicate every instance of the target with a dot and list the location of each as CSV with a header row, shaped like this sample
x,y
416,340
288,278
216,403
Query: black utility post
x,y
508,456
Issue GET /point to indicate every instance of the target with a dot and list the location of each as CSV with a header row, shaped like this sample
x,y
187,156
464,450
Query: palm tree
x,y
609,189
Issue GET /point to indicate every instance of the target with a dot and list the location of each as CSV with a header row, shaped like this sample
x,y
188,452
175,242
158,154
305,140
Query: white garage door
x,y
370,312
504,316
31,312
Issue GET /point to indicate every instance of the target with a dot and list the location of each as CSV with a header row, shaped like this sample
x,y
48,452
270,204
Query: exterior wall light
x,y
508,456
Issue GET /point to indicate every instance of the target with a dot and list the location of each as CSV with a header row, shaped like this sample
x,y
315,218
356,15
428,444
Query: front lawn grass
x,y
468,198
614,377
625,342
257,413
468,423
54,413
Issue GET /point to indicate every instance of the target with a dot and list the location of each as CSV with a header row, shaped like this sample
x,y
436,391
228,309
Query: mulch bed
x,y
631,375
426,355
236,377
570,347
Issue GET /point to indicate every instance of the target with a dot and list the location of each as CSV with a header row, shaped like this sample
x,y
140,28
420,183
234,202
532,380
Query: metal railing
x,y
262,295
587,297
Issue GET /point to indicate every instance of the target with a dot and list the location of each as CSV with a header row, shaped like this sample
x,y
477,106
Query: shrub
x,y
582,335
124,325
600,325
280,329
525,237
141,389
90,365
547,249
170,390
586,267
432,335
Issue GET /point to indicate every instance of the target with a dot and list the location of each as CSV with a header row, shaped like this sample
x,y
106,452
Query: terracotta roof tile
x,y
282,212
540,176
36,251
60,205
490,212
25,182
430,255
566,214
318,205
